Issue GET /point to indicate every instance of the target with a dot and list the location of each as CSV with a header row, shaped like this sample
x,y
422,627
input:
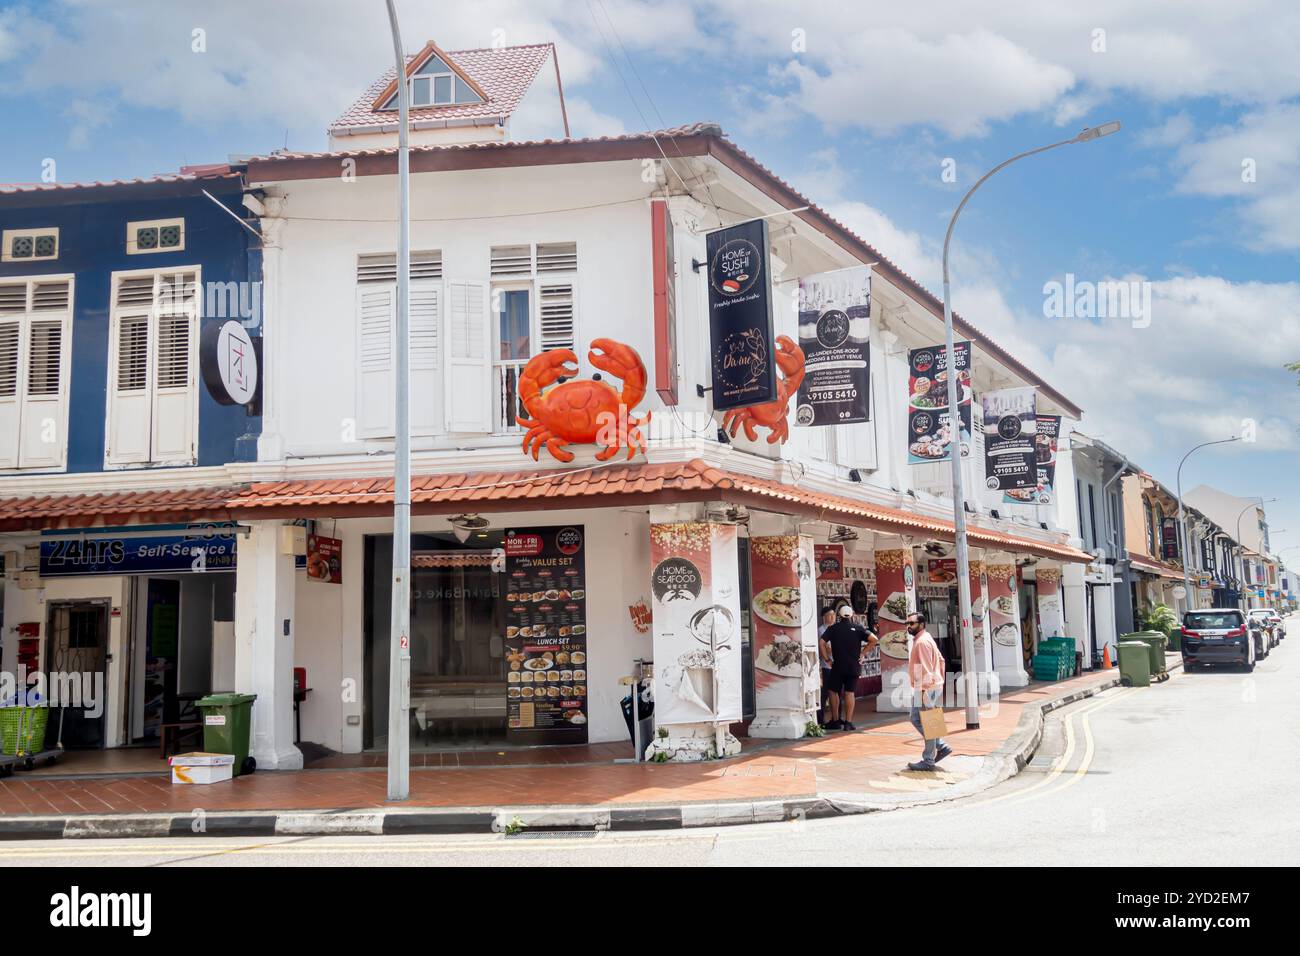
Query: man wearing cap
x,y
849,643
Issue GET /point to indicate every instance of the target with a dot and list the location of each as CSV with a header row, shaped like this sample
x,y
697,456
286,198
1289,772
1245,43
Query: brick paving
x,y
870,760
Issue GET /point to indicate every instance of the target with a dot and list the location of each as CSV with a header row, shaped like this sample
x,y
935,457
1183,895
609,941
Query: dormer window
x,y
437,82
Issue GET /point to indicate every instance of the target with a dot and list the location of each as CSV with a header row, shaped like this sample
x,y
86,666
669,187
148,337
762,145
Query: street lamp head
x,y
1097,132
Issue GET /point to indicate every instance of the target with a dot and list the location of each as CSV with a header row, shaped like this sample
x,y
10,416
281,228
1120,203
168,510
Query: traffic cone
x,y
1105,659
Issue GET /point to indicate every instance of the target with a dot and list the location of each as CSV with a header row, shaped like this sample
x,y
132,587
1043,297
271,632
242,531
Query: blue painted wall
x,y
92,245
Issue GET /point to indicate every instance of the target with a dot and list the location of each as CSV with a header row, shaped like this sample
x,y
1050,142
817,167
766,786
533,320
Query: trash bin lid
x,y
225,700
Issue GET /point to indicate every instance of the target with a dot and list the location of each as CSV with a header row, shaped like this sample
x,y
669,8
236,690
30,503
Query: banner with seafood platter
x,y
695,588
929,425
786,674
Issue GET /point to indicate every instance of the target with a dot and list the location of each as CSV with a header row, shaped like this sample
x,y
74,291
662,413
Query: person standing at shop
x,y
829,701
849,644
925,670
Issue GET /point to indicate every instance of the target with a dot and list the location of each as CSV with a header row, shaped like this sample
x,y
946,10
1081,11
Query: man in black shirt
x,y
848,643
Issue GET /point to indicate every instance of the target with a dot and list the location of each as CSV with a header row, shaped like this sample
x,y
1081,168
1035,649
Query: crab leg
x,y
556,447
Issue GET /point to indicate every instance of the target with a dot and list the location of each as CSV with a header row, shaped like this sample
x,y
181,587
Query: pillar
x,y
695,588
896,580
787,678
264,610
1004,620
1051,606
1078,620
979,604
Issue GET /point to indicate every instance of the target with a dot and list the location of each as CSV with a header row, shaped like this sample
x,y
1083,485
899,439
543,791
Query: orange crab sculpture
x,y
585,411
772,415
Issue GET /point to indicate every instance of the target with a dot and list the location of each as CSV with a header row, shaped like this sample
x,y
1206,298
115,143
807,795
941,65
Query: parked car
x,y
1219,636
1262,618
1279,629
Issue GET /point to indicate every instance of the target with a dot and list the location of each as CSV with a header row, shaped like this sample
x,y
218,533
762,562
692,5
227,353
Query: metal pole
x,y
1189,602
399,660
969,675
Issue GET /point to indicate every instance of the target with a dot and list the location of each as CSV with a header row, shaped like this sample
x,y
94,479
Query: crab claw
x,y
544,369
622,361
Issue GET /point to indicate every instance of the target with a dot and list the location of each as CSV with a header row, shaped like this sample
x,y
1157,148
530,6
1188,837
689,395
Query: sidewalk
x,y
839,773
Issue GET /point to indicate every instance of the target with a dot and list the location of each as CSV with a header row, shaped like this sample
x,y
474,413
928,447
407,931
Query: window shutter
x,y
512,262
174,334
44,398
558,319
10,401
376,315
426,360
129,400
382,267
469,369
557,257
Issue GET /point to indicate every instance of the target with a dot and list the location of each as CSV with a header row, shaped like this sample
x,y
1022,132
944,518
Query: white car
x,y
1262,618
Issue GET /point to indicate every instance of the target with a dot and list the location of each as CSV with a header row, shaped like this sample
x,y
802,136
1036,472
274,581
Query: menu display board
x,y
929,425
546,635
1045,444
834,328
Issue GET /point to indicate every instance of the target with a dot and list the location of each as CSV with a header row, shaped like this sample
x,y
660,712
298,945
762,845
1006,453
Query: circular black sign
x,y
676,579
858,597
568,540
1009,427
923,361
922,423
741,359
736,266
832,329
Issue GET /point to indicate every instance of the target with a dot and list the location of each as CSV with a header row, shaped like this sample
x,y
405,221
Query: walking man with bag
x,y
925,669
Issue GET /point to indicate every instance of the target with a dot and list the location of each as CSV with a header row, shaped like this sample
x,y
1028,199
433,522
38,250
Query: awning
x,y
1148,566
600,486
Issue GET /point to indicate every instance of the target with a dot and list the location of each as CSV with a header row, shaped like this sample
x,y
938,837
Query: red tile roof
x,y
597,486
191,175
503,74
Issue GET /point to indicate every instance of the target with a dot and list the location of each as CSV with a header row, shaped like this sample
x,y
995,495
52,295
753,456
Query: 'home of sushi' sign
x,y
740,316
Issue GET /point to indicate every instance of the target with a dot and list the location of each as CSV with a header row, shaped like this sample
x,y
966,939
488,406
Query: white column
x,y
988,683
264,621
786,696
270,444
1074,601
895,578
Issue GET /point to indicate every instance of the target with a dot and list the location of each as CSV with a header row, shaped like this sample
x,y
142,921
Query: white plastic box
x,y
202,767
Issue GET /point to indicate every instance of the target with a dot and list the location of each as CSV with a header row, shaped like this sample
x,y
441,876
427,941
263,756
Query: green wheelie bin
x,y
1135,663
227,724
1156,643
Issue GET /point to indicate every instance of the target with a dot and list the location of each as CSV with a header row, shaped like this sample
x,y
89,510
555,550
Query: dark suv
x,y
1218,636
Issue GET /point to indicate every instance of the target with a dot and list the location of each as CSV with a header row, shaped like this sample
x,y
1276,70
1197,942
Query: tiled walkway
x,y
872,760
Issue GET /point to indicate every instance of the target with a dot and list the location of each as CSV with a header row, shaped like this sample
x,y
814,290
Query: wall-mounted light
x,y
462,526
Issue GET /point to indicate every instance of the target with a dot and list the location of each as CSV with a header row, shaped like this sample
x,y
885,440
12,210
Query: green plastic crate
x,y
22,730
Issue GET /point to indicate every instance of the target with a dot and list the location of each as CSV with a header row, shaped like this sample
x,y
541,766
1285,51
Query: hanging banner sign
x,y
834,328
324,559
740,316
929,427
1049,430
162,548
1011,439
1169,539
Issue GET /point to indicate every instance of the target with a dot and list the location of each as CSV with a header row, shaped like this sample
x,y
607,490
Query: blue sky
x,y
859,107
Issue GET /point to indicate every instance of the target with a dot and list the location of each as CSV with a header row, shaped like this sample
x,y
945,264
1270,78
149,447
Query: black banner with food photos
x,y
929,426
546,635
740,316
1011,439
834,329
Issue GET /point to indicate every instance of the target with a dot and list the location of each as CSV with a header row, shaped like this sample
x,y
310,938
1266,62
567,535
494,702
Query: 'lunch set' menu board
x,y
546,636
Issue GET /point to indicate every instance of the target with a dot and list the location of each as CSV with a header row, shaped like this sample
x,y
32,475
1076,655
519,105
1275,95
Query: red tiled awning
x,y
604,486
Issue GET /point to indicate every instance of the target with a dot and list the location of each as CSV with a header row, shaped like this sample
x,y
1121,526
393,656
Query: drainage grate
x,y
551,834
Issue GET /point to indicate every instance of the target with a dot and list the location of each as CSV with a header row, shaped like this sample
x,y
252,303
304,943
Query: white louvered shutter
x,y
376,317
175,334
426,358
557,304
856,443
11,330
129,394
469,367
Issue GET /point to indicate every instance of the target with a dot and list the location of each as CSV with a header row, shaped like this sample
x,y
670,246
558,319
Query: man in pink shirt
x,y
925,669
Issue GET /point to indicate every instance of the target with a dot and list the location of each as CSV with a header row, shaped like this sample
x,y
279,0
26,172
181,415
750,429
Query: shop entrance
x,y
458,655
76,648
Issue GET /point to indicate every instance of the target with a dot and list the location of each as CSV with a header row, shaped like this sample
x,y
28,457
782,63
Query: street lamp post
x,y
1241,548
1182,521
954,421
399,658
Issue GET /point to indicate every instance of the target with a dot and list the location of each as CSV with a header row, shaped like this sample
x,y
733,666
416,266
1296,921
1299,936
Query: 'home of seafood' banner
x,y
929,429
740,316
834,328
1049,431
1010,439
695,589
